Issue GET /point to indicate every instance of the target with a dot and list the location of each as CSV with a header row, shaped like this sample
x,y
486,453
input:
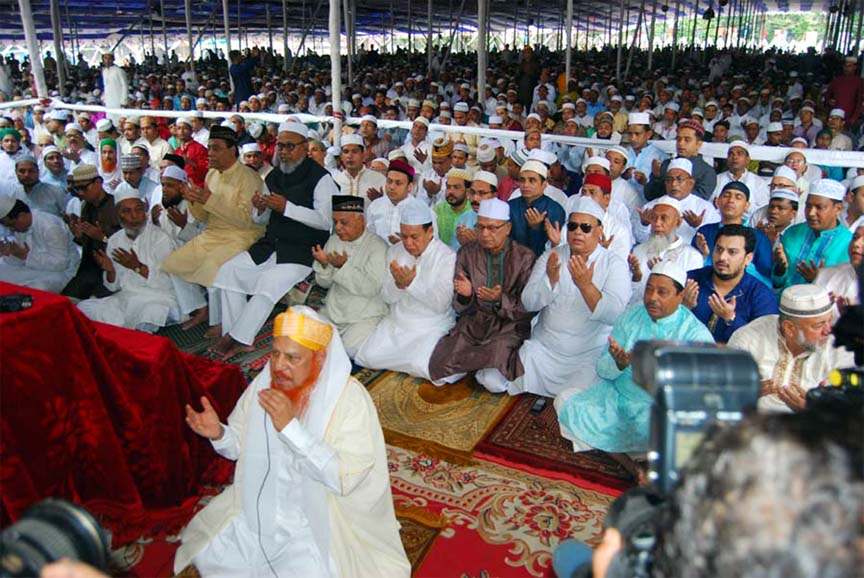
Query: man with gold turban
x,y
311,492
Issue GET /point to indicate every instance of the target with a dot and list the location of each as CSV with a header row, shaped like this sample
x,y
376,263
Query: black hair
x,y
18,208
739,231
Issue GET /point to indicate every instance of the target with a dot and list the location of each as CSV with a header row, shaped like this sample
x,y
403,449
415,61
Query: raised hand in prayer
x,y
276,203
465,234
338,259
93,231
655,168
693,219
432,187
621,357
628,174
653,261
640,177
259,201
553,231
114,183
155,213
278,406
767,387
606,241
841,302
128,259
781,263
178,218
534,217
320,255
195,194
492,294
769,230
372,193
403,276
104,262
702,244
794,396
420,155
580,272
809,269
462,285
395,238
553,269
645,216
723,309
19,251
635,268
205,423
691,294
5,248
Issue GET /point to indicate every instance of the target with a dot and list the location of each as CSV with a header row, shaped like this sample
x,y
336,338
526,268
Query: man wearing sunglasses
x,y
579,289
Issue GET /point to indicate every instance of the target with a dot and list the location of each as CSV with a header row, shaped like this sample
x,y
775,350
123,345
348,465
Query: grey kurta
x,y
487,335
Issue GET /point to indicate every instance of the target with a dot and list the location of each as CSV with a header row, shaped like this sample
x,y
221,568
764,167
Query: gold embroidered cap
x,y
306,331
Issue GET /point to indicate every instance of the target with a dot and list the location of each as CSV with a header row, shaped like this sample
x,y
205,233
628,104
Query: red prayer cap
x,y
401,166
692,124
602,181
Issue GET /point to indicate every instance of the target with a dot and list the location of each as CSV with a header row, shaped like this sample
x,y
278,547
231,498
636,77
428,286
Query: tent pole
x,y
348,41
335,70
189,34
227,24
285,37
717,25
59,56
636,34
269,27
695,26
429,39
482,15
651,36
620,41
164,31
410,30
568,51
33,48
675,34
152,39
858,33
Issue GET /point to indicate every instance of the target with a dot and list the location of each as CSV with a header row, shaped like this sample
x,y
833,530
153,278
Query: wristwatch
x,y
139,269
729,322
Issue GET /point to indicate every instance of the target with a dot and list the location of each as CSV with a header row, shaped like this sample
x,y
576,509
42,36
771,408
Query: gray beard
x,y
134,232
656,244
288,168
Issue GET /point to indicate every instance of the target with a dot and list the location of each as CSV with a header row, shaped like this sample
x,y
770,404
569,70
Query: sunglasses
x,y
82,186
584,227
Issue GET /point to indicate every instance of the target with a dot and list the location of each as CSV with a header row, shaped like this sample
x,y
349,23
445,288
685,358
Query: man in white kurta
x,y
352,266
738,157
664,244
580,288
355,179
841,280
42,255
419,290
311,493
116,86
383,214
795,351
144,296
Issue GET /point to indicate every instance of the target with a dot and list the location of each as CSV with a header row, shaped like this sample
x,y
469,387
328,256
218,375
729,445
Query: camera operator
x,y
779,495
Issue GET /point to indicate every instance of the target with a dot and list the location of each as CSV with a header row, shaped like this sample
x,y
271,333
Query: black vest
x,y
292,240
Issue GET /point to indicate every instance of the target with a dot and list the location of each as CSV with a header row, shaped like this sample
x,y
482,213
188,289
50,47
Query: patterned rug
x,y
534,439
500,521
447,421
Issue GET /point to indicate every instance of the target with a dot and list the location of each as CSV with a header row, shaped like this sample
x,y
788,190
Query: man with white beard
x,y
663,244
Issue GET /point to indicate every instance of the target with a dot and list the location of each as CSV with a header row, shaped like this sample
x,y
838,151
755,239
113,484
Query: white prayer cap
x,y
251,147
352,139
460,107
297,128
748,120
857,182
461,146
535,167
495,119
672,270
546,157
126,191
104,125
798,139
681,164
785,172
673,106
669,202
859,222
494,209
486,153
369,118
200,101
807,109
73,127
415,212
805,301
382,160
50,149
837,112
519,156
740,144
283,108
176,173
413,103
618,149
588,206
394,154
785,194
457,173
422,120
58,114
6,204
445,114
181,120
535,116
486,177
256,129
774,127
598,161
639,118
698,112
828,188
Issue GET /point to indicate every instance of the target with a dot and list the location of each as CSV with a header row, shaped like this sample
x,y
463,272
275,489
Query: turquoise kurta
x,y
801,244
614,414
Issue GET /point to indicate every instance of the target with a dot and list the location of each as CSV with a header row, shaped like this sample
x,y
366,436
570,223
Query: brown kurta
x,y
487,335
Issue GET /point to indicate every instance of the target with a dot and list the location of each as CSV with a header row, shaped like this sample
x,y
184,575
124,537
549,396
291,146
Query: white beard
x,y
656,244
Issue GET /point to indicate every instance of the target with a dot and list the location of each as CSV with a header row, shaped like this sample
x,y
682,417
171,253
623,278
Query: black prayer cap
x,y
224,133
347,204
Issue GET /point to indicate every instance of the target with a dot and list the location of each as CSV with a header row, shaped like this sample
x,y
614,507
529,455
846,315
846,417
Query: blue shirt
x,y
760,267
801,244
534,238
752,299
466,219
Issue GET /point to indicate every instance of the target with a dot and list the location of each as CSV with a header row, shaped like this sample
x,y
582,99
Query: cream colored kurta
x,y
347,469
359,186
354,303
761,338
230,228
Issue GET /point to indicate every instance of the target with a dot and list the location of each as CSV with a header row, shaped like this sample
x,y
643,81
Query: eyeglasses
x,y
82,186
490,228
584,227
288,146
671,180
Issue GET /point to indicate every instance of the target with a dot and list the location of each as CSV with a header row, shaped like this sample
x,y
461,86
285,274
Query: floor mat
x,y
452,417
501,521
534,439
